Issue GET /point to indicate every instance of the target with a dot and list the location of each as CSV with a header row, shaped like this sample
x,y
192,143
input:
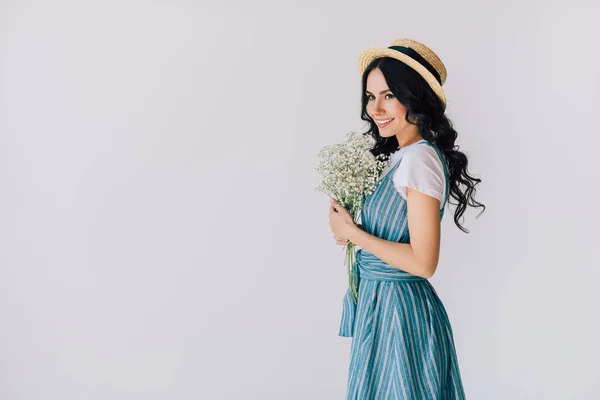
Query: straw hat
x,y
414,54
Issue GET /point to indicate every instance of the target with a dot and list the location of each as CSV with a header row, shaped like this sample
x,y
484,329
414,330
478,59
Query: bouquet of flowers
x,y
349,172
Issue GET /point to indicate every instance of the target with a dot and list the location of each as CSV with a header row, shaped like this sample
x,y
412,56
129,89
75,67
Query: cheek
x,y
399,122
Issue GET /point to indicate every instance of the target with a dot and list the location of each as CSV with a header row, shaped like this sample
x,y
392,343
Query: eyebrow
x,y
382,92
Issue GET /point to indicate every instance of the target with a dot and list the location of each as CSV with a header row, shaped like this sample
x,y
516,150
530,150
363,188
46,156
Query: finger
x,y
337,206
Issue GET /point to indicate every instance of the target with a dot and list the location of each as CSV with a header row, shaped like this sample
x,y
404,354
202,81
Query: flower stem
x,y
352,272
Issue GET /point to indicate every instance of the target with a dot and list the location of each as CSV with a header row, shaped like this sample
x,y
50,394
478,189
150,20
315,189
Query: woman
x,y
402,346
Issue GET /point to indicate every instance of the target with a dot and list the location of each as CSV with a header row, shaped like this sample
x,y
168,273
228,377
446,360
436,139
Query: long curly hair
x,y
427,111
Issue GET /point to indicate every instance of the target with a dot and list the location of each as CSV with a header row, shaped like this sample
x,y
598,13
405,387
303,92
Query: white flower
x,y
349,171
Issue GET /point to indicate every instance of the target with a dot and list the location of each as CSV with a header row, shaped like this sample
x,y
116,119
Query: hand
x,y
341,223
340,241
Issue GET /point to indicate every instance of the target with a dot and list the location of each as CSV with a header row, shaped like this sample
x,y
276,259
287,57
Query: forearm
x,y
398,255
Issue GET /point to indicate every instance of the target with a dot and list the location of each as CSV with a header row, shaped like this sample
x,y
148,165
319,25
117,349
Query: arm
x,y
420,256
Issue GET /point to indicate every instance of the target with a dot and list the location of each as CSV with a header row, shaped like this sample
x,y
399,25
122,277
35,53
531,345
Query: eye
x,y
389,94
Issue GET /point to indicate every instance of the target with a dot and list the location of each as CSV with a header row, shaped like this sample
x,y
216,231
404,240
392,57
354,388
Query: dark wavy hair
x,y
426,111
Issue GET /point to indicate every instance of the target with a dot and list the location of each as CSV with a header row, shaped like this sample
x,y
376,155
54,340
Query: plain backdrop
x,y
160,233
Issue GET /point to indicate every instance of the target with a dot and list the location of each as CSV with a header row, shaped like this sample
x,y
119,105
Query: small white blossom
x,y
349,171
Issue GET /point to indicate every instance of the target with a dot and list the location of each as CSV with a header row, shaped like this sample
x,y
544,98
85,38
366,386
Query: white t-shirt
x,y
421,169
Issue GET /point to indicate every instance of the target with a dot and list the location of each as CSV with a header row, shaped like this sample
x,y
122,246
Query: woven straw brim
x,y
370,54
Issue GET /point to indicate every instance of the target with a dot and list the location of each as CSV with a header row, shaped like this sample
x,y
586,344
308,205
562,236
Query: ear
x,y
412,117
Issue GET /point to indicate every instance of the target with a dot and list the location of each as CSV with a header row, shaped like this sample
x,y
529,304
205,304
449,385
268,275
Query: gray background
x,y
160,234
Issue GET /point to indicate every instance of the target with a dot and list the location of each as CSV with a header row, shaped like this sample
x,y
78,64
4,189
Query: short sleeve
x,y
421,169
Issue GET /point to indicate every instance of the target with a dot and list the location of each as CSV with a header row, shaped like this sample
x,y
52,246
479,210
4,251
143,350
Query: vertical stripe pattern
x,y
402,342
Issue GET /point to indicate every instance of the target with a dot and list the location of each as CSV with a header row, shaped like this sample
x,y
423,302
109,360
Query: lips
x,y
386,124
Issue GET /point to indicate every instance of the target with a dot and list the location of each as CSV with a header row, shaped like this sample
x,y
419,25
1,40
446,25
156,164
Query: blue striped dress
x,y
402,342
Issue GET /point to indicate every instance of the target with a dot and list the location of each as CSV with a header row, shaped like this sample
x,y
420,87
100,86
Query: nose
x,y
376,108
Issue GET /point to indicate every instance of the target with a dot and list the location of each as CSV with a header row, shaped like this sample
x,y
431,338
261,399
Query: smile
x,y
384,123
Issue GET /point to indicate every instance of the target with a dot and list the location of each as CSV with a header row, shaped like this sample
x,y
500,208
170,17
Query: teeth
x,y
383,122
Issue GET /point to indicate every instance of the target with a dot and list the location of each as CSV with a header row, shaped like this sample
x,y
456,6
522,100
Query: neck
x,y
404,141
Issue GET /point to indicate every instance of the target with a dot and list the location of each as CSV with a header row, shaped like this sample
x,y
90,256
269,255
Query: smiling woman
x,y
402,340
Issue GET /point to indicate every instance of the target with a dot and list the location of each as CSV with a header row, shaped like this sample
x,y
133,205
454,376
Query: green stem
x,y
350,259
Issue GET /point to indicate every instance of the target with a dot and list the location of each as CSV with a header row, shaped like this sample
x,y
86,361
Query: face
x,y
382,106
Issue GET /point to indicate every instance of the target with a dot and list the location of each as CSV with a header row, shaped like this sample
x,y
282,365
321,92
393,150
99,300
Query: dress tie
x,y
373,268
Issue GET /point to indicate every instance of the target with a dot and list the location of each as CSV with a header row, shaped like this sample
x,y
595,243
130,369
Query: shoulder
x,y
421,169
422,153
